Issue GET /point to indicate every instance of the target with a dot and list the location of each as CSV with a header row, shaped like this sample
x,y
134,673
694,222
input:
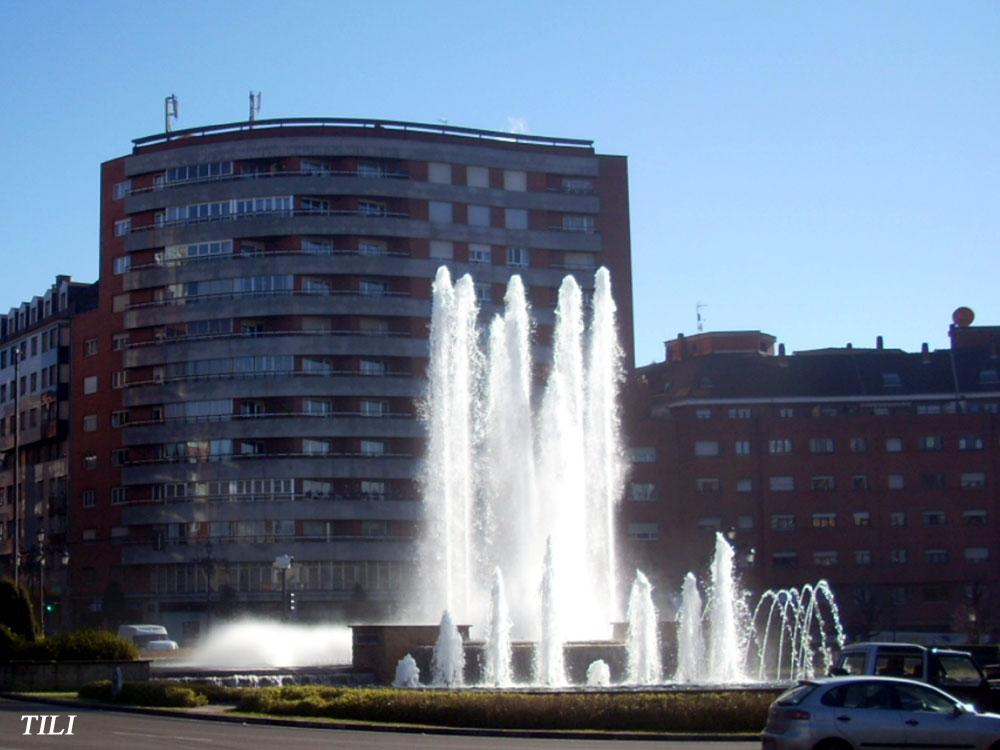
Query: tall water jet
x,y
604,459
643,642
598,674
726,651
497,669
448,659
448,471
550,667
690,638
510,509
562,462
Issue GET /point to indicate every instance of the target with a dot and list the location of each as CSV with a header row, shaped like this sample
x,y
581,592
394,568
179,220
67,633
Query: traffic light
x,y
291,603
51,607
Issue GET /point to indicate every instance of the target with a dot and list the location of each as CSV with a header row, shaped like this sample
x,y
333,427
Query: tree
x,y
17,612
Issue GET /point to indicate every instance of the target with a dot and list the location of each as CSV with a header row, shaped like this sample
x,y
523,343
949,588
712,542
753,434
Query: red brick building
x,y
254,364
876,469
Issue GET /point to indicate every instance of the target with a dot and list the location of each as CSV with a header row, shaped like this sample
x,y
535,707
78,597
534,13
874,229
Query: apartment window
x,y
898,556
90,384
119,456
370,288
862,557
89,535
893,445
824,558
647,532
480,253
707,485
123,227
709,523
824,520
119,495
931,443
478,216
859,482
897,519
744,485
934,518
578,223
119,341
316,447
439,173
702,413
371,408
895,481
515,179
372,367
975,518
925,409
371,248
786,412
936,556
785,559
90,461
742,447
440,211
484,293
741,413
642,492
119,379
706,448
90,423
821,445
970,443
973,480
779,446
442,249
120,302
372,448
643,455
744,522
863,518
372,208
477,177
783,522
90,347
368,169
516,218
122,189
33,381
977,554
122,264
891,380
88,498
781,484
933,481
988,377
315,407
517,257
577,185
371,490
823,484
858,445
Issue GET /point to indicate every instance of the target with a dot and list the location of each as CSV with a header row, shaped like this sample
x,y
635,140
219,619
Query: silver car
x,y
849,713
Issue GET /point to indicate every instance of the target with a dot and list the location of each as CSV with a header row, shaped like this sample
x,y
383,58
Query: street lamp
x,y
41,578
17,357
284,563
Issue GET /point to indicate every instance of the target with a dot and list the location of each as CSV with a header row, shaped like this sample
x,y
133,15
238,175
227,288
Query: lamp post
x,y
284,563
17,357
41,578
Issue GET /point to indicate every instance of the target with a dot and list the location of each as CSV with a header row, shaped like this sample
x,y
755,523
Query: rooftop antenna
x,y
699,317
254,105
170,111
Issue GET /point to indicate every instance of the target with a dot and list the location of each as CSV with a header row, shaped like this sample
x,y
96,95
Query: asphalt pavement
x,y
95,729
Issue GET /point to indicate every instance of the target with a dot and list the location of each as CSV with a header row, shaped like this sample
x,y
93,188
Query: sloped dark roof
x,y
825,373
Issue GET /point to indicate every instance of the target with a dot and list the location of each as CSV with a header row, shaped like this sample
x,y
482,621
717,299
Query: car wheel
x,y
835,744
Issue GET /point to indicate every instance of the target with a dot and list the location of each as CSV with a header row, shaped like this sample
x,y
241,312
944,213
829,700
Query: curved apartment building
x,y
257,356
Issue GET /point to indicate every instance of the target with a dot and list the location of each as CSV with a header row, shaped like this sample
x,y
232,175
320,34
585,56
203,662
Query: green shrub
x,y
728,711
16,610
218,693
160,693
96,645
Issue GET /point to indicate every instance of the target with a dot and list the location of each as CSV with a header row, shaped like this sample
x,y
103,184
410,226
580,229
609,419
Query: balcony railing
x,y
270,374
209,418
264,334
161,262
277,213
196,298
382,174
221,457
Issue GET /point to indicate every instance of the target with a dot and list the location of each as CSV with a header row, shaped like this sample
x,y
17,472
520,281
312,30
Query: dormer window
x,y
891,380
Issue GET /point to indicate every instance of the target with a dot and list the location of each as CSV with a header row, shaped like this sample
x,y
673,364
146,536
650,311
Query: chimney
x,y
878,342
850,345
781,350
925,353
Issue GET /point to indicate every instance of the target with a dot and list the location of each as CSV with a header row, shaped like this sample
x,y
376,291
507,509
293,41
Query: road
x,y
109,730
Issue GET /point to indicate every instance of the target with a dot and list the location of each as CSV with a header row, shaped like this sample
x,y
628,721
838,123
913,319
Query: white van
x,y
148,637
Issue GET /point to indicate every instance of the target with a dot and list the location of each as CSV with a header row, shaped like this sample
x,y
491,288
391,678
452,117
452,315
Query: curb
x,y
395,728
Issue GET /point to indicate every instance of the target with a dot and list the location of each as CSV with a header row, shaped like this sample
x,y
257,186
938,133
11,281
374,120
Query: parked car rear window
x,y
796,695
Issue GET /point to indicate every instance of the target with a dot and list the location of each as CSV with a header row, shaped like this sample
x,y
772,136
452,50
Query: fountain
x,y
726,648
643,642
598,674
497,672
690,639
407,673
550,668
448,663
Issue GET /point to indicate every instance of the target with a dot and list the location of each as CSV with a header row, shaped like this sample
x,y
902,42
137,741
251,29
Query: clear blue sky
x,y
825,172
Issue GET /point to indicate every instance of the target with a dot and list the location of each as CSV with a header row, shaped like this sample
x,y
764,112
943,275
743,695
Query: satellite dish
x,y
963,317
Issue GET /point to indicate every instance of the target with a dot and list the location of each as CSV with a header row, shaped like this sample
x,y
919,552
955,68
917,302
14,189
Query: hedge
x,y
83,645
154,693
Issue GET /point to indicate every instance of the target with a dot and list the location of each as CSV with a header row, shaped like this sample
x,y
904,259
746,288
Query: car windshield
x,y
957,670
796,695
853,663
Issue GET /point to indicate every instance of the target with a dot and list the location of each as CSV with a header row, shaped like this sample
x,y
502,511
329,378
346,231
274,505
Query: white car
x,y
849,713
